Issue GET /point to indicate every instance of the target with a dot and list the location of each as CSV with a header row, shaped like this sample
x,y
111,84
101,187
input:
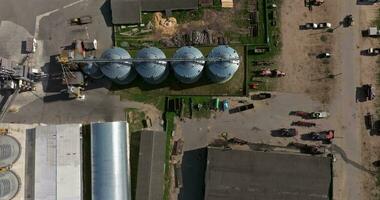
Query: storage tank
x,y
92,69
153,72
188,71
222,71
9,185
9,150
110,171
120,73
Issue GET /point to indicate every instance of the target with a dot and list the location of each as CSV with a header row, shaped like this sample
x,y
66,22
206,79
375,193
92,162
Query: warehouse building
x,y
238,174
129,11
110,172
57,162
150,176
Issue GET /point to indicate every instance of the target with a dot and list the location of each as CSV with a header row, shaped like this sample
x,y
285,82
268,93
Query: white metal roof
x,y
58,162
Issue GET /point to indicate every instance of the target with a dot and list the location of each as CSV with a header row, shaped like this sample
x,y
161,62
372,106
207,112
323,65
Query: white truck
x,y
373,31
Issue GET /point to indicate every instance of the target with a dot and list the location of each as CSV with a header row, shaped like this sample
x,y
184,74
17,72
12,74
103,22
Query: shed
x,y
227,3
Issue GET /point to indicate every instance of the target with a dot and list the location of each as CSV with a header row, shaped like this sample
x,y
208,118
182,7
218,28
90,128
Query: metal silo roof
x,y
152,72
9,185
114,70
92,69
110,161
222,71
9,150
188,71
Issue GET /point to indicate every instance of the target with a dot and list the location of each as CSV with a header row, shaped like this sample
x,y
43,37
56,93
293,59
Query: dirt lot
x,y
369,74
306,73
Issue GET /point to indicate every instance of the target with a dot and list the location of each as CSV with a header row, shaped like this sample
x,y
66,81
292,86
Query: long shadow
x,y
53,83
339,150
193,170
360,94
105,9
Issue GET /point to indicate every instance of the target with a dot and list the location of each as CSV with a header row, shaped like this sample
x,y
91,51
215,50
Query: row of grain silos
x,y
10,151
155,72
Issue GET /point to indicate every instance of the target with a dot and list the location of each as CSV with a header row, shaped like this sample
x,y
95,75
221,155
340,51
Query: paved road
x,y
344,103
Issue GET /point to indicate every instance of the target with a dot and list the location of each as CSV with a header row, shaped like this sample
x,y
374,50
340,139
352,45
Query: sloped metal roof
x,y
110,161
222,71
117,71
188,71
153,72
9,150
9,185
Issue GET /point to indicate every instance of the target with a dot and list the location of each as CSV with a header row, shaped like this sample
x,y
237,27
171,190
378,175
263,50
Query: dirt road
x,y
344,105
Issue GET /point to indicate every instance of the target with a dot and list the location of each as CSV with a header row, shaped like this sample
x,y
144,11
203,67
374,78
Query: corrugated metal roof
x,y
58,168
150,177
119,72
222,71
9,150
110,161
9,185
161,5
153,72
188,71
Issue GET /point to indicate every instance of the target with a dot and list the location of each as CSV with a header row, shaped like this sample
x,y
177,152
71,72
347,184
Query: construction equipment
x,y
303,123
81,20
325,136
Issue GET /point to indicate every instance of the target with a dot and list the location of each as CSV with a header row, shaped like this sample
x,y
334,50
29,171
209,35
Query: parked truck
x,y
81,20
372,32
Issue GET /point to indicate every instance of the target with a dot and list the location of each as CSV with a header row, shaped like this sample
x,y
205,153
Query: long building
x,y
57,162
129,11
110,172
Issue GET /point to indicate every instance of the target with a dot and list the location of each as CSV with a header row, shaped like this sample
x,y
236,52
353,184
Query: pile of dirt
x,y
164,26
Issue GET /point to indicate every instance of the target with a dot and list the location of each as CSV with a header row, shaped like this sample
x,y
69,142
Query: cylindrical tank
x,y
222,71
121,73
153,72
9,185
188,71
92,69
110,161
9,150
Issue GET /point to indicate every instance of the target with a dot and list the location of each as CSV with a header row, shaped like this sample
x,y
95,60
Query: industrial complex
x,y
189,100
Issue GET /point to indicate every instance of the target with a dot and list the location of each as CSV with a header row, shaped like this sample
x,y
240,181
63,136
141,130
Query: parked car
x,y
324,25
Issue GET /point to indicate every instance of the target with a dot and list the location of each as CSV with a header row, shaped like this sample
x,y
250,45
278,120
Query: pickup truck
x,y
81,20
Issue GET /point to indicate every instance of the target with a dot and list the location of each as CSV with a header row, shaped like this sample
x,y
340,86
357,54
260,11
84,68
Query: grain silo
x,y
9,185
223,63
110,161
118,72
153,71
9,150
92,69
188,71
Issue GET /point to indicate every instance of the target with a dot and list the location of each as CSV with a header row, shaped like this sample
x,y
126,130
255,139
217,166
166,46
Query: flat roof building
x,y
57,162
129,11
150,175
237,174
